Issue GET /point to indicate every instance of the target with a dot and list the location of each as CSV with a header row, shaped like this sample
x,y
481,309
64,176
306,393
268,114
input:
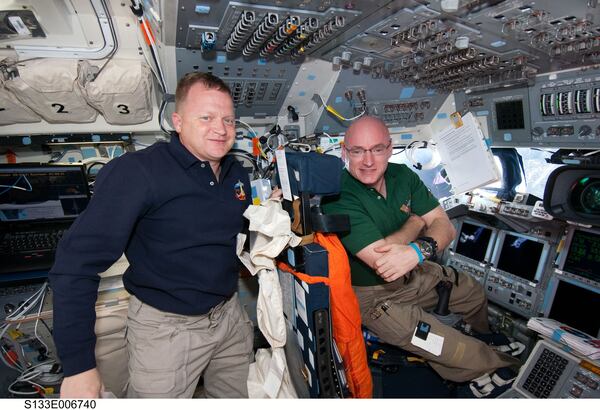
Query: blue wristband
x,y
419,253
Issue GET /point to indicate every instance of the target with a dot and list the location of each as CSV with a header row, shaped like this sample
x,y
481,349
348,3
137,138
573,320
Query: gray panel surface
x,y
248,75
484,104
544,129
396,104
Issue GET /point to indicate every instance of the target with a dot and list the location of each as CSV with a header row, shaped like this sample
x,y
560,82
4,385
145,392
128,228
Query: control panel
x,y
567,108
524,211
512,292
397,105
508,247
550,372
407,56
561,109
477,270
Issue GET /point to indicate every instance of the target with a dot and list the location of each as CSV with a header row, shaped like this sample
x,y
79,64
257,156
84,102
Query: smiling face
x,y
205,121
371,136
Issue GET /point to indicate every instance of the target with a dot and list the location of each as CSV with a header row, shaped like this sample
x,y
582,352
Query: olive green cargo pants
x,y
392,312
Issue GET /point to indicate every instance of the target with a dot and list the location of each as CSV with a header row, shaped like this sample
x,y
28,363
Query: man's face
x,y
205,122
367,151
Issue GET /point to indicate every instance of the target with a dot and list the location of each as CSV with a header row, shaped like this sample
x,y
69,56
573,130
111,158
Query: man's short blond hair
x,y
186,82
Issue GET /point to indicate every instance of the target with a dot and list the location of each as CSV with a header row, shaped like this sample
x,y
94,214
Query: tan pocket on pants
x,y
153,382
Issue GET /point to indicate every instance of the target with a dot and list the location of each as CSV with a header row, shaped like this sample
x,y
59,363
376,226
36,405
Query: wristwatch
x,y
428,247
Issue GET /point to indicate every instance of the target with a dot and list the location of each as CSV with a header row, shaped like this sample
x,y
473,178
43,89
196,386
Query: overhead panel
x,y
558,110
388,46
258,49
396,104
481,45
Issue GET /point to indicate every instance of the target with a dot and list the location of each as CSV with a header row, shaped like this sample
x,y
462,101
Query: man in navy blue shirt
x,y
175,209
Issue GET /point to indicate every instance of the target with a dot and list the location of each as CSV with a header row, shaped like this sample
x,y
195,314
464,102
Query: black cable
x,y
46,326
91,165
161,113
402,149
114,35
246,156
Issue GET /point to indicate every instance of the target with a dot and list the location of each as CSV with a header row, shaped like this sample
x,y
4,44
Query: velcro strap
x,y
499,381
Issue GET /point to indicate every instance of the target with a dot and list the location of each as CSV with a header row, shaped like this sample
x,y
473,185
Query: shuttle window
x,y
536,170
434,179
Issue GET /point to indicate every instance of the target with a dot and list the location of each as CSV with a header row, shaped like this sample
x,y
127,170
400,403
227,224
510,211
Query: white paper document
x,y
467,159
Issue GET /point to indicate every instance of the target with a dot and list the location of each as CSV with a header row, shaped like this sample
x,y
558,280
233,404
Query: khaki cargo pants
x,y
169,352
463,358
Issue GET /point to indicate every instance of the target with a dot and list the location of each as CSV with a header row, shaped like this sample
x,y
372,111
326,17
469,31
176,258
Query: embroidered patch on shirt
x,y
406,206
239,190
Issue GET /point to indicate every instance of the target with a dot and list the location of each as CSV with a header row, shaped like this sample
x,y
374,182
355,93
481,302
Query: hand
x,y
395,262
86,385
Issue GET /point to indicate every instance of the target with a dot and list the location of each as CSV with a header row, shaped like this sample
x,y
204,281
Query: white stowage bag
x,y
270,231
52,88
122,91
12,111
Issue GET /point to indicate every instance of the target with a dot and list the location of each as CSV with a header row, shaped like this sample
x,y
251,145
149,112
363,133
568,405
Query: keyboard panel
x,y
33,241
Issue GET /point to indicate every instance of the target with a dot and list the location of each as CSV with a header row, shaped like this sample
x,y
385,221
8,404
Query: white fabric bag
x,y
52,88
122,91
270,230
11,109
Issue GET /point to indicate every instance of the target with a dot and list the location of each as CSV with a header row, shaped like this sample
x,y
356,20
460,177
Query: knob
x,y
537,132
336,61
585,130
9,308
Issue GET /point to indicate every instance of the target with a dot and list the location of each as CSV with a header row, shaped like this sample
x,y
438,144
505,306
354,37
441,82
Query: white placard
x,y
433,344
19,26
284,177
301,302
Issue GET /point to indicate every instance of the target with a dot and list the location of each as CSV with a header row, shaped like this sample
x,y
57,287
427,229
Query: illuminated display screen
x,y
583,258
576,307
520,256
473,241
29,193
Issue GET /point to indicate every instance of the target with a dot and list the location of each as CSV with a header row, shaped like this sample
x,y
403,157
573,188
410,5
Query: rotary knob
x,y
537,132
585,130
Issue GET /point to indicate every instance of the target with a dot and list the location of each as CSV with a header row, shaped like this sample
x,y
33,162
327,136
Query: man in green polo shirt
x,y
396,225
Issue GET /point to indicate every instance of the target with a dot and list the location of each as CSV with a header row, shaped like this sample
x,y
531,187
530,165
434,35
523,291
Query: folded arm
x,y
392,257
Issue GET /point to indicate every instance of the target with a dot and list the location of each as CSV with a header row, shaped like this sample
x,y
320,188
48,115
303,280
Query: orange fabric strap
x,y
302,276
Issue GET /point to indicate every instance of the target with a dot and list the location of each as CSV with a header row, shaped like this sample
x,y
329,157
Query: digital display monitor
x,y
583,257
509,115
473,241
31,192
577,307
520,256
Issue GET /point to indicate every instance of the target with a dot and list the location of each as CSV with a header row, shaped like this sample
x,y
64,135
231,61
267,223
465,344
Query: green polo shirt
x,y
373,217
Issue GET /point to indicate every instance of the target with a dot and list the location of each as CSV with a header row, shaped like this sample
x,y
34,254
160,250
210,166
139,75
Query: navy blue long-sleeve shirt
x,y
177,225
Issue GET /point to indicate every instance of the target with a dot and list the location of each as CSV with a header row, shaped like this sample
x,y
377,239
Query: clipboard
x,y
466,155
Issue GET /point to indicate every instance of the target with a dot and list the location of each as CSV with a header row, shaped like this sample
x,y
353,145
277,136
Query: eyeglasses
x,y
378,150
